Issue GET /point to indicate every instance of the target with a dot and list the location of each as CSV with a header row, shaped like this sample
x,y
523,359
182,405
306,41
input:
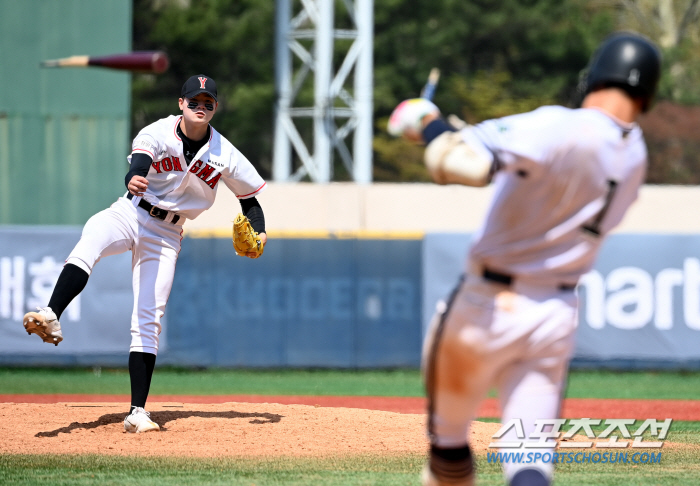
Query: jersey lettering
x,y
147,146
196,166
594,226
167,164
172,171
216,163
212,182
206,172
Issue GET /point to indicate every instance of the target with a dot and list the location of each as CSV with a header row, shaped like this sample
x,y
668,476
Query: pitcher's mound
x,y
222,429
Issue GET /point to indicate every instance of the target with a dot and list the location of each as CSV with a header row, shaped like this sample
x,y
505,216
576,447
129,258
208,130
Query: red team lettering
x,y
212,182
167,164
204,173
196,166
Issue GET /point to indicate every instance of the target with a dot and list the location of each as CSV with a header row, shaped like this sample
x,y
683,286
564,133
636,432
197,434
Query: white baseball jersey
x,y
565,179
155,243
190,190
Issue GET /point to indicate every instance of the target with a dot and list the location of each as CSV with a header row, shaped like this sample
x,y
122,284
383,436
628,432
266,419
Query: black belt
x,y
505,279
154,211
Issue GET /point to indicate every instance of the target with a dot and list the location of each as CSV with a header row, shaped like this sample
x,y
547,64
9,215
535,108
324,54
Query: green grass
x,y
678,467
114,470
170,381
629,384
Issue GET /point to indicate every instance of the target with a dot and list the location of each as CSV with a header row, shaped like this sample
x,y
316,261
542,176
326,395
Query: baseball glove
x,y
246,241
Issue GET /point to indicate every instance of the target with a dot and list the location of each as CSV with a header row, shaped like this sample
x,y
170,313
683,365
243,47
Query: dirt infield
x,y
206,426
215,429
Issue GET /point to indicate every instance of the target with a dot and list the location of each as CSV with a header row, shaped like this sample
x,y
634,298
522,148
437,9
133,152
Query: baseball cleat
x,y
139,421
44,324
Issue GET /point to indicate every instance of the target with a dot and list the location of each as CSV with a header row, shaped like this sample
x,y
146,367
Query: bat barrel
x,y
138,61
145,61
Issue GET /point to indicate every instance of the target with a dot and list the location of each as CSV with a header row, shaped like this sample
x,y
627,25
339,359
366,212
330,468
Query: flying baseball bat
x,y
138,61
429,89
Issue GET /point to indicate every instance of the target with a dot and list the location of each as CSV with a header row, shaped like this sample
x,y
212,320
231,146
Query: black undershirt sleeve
x,y
254,213
140,165
436,128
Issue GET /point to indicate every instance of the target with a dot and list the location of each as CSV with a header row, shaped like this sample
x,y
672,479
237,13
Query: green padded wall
x,y
64,131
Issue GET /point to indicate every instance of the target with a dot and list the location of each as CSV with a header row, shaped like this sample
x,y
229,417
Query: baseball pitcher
x,y
176,166
563,179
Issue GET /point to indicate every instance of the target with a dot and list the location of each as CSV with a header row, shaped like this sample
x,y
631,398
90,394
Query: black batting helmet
x,y
628,61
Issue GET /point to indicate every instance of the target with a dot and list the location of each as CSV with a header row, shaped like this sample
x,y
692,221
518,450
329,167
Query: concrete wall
x,y
315,210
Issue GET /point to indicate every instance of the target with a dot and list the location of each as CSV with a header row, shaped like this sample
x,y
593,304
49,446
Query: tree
x,y
675,26
497,57
230,40
670,128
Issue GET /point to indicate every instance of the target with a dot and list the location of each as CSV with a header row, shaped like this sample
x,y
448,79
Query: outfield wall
x,y
353,286
336,302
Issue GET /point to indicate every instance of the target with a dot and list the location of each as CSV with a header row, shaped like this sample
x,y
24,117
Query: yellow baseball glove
x,y
246,241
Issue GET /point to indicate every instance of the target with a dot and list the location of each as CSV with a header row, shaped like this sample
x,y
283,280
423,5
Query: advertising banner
x,y
641,302
304,303
97,322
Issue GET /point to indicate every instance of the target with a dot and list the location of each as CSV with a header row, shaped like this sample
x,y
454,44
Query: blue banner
x,y
304,303
345,303
640,305
96,325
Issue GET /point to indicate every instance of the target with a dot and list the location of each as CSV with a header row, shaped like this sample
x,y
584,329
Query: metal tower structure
x,y
305,53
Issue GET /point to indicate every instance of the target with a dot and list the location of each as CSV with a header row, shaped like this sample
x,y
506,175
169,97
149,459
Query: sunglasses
x,y
194,104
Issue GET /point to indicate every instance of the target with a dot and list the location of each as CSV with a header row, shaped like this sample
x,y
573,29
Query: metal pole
x,y
282,158
322,81
362,142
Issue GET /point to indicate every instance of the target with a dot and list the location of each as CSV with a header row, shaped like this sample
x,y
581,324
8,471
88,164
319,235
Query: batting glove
x,y
408,116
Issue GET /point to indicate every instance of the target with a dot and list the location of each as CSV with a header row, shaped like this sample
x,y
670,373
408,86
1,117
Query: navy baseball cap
x,y
198,84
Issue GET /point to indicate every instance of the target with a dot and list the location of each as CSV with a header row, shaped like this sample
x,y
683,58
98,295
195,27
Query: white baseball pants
x,y
154,244
516,339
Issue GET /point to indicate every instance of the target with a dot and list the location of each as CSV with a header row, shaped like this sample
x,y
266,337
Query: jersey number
x,y
594,226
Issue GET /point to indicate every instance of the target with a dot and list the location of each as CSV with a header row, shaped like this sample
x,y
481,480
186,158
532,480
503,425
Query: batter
x,y
563,179
176,167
